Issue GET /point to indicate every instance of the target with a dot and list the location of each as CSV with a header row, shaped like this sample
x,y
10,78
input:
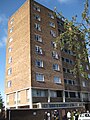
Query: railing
x,y
59,105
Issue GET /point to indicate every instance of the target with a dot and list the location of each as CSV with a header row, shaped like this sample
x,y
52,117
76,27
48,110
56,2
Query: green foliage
x,y
77,37
1,102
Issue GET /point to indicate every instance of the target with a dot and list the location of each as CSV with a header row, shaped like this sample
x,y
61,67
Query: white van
x,y
84,116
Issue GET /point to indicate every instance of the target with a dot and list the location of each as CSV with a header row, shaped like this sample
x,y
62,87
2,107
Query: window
x,y
59,93
70,52
7,99
28,94
63,59
87,67
9,49
65,81
66,94
53,33
71,62
60,23
37,26
15,97
88,75
39,93
64,70
85,96
55,55
82,74
57,79
37,17
51,15
10,60
60,31
68,70
10,39
83,83
9,83
38,38
18,97
65,50
39,77
39,50
73,82
70,82
72,94
12,20
52,24
77,95
54,44
67,60
39,63
11,30
9,71
56,67
36,7
53,93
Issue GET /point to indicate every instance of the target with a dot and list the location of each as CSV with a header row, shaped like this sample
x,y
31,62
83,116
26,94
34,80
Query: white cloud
x,y
3,41
1,44
65,1
3,19
44,1
3,30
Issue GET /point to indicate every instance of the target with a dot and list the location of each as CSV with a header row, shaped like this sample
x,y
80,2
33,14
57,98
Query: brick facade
x,y
21,86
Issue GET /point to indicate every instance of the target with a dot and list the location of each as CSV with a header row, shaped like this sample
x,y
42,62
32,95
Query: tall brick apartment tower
x,y
34,69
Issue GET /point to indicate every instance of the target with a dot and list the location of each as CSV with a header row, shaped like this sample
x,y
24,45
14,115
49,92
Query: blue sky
x,y
68,8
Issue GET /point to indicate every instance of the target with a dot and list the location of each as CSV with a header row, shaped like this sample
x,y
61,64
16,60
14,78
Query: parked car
x,y
84,116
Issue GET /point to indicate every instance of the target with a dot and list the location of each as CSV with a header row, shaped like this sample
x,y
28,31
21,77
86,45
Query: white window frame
x,y
37,8
9,84
55,55
37,26
57,79
83,83
28,94
39,63
56,67
38,50
10,60
51,15
37,17
52,24
88,75
9,49
7,98
11,30
15,97
53,33
11,21
40,75
18,96
54,44
9,71
38,38
10,39
87,67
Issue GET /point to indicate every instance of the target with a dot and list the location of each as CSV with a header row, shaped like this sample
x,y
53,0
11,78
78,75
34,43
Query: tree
x,y
77,37
1,102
